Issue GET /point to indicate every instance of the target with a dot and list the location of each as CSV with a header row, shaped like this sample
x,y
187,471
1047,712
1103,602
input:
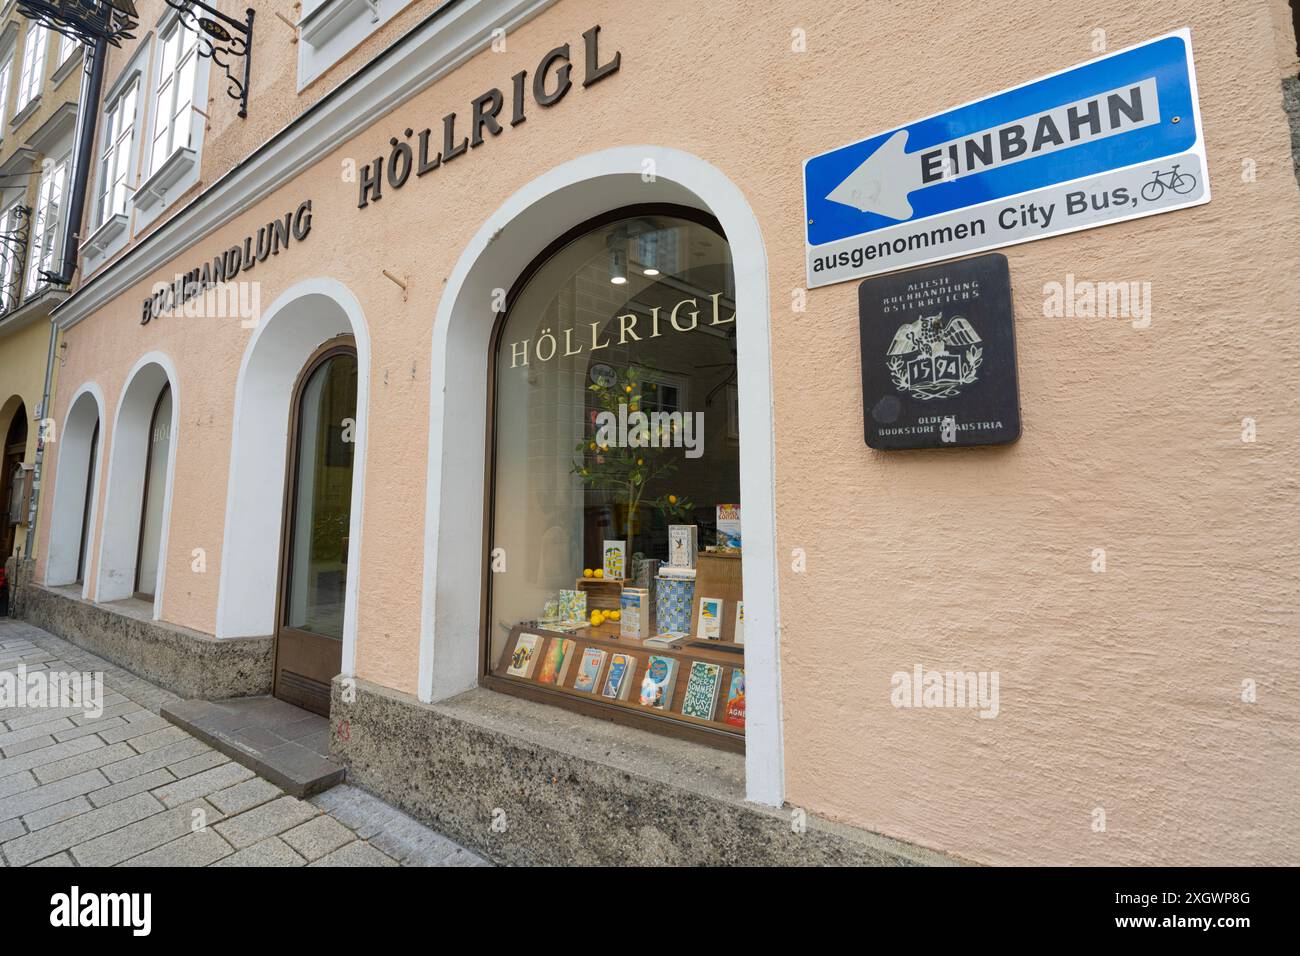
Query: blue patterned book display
x,y
673,600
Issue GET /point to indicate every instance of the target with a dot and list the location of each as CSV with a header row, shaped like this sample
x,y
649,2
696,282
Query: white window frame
x,y
113,171
47,219
179,171
31,77
9,261
171,119
67,48
6,78
329,30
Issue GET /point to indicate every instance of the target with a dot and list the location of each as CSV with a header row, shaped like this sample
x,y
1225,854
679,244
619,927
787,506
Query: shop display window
x,y
614,548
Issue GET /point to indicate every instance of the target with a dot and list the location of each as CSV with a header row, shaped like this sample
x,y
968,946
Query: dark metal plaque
x,y
939,356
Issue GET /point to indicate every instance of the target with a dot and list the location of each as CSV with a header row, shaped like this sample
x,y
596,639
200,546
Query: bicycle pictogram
x,y
1181,183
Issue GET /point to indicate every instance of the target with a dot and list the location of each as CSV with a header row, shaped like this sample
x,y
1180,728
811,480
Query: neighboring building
x,y
40,74
330,428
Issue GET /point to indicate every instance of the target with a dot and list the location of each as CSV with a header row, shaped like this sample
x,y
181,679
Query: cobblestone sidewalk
x,y
129,789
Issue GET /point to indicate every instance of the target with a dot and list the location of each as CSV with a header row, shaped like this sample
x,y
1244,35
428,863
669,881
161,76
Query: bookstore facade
x,y
486,409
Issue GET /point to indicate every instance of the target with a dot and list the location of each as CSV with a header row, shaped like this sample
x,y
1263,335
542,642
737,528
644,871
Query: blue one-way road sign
x,y
1113,139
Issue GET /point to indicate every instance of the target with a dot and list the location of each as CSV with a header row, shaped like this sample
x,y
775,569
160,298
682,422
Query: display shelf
x,y
717,575
606,638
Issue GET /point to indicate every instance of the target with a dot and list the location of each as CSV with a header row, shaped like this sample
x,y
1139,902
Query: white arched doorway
x,y
509,240
76,490
296,325
142,454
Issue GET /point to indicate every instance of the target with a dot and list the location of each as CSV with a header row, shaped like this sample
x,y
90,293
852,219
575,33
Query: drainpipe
x,y
92,84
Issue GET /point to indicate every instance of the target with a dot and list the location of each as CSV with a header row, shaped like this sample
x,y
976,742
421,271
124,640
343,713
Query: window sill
x,y
24,114
153,191
334,16
98,243
67,67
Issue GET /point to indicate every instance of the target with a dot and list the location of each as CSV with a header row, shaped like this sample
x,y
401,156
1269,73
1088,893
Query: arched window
x,y
318,509
614,551
155,490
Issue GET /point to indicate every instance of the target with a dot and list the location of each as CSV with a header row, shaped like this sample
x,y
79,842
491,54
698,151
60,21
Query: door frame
x,y
144,496
338,345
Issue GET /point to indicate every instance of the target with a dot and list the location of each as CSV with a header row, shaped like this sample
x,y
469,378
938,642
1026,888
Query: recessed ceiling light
x,y
652,272
618,280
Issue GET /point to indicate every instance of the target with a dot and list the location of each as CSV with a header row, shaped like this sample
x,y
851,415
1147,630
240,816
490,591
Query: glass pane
x,y
634,317
160,439
322,499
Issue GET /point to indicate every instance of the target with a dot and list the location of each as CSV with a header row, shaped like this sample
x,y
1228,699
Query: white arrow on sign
x,y
881,184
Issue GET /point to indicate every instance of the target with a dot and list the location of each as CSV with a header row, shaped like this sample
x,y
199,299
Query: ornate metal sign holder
x,y
223,39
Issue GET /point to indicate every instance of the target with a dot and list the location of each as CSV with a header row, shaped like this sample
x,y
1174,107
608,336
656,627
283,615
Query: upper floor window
x,y
10,225
33,70
118,138
177,71
67,46
6,70
45,222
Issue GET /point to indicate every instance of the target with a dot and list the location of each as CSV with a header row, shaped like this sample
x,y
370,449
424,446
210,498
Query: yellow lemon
x,y
586,572
672,499
593,446
599,573
615,615
628,389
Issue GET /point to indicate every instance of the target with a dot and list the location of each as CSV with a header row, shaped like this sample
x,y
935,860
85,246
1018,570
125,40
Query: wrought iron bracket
x,y
224,40
86,21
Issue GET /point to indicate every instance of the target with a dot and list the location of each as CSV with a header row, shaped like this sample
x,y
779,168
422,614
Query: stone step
x,y
285,744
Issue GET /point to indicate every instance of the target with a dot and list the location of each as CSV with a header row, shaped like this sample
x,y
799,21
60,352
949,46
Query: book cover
x,y
676,574
734,712
523,659
634,621
657,685
573,606
615,560
683,545
618,682
702,690
729,526
710,623
740,622
668,641
556,661
593,659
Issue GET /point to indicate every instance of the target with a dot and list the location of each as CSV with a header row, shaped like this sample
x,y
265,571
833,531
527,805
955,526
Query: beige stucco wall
x,y
1119,690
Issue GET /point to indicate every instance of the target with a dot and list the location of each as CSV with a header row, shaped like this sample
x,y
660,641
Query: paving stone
x,y
209,782
27,746
193,849
136,838
39,729
38,716
162,757
356,853
88,826
204,761
159,738
315,838
59,859
68,748
46,795
16,783
267,820
97,727
91,759
269,852
128,729
127,788
66,810
124,709
11,830
245,796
